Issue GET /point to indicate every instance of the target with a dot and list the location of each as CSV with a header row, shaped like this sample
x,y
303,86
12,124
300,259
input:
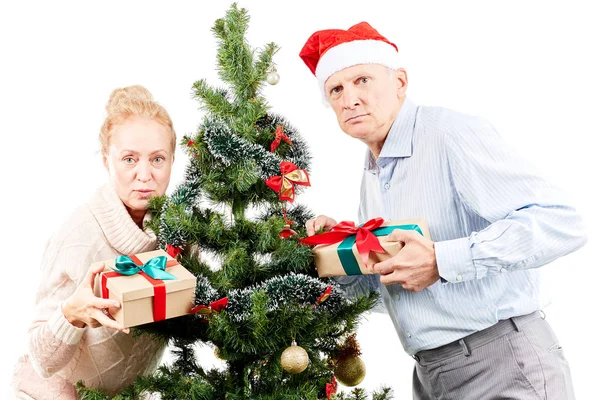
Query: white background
x,y
529,67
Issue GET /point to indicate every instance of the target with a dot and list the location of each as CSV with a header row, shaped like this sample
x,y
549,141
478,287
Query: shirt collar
x,y
398,142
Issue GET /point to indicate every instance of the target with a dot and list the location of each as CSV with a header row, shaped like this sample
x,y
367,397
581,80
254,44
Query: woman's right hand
x,y
83,307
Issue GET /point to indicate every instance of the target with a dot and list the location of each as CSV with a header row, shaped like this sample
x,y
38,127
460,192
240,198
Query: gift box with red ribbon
x,y
150,286
353,250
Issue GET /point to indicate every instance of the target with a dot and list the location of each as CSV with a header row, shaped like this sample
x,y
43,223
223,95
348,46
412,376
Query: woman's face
x,y
139,161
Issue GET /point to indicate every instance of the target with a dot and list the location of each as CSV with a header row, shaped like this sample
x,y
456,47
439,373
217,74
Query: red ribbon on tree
x,y
173,251
279,135
324,296
213,307
290,176
366,241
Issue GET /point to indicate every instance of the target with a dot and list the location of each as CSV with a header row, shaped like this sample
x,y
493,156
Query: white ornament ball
x,y
273,78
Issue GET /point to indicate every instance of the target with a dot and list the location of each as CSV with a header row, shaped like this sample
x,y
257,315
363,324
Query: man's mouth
x,y
356,117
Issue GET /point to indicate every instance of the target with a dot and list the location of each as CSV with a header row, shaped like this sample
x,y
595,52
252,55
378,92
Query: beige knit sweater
x,y
61,354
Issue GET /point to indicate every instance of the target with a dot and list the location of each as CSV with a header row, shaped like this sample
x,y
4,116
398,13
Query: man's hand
x,y
322,221
415,265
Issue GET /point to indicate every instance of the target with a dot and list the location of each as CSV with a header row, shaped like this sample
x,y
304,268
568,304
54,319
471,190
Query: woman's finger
x,y
92,271
106,320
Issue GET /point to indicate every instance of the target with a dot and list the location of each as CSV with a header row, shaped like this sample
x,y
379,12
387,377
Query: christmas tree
x,y
280,330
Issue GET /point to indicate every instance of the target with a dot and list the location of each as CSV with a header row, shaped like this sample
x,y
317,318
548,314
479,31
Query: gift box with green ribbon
x,y
353,250
150,286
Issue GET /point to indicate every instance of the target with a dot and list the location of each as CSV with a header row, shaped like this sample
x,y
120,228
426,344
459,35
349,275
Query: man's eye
x,y
159,160
129,160
364,79
336,90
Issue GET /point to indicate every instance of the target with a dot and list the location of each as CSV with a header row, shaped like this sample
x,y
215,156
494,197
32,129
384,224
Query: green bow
x,y
154,267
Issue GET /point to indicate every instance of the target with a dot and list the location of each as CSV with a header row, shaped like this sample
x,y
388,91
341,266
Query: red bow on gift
x,y
279,134
366,241
290,176
213,307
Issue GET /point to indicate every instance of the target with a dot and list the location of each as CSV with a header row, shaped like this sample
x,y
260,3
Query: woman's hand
x,y
83,307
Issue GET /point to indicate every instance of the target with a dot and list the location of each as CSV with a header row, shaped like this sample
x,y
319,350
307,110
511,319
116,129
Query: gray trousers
x,y
518,358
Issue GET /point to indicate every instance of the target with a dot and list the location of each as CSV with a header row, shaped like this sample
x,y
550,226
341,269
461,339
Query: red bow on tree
x,y
279,134
331,388
213,307
366,241
290,176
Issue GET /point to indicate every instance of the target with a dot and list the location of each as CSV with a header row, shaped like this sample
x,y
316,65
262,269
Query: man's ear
x,y
401,80
105,162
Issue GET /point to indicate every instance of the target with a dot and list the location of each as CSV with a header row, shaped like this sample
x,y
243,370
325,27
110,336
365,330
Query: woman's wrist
x,y
65,308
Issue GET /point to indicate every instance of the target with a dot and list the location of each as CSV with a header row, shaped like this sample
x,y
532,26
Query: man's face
x,y
366,99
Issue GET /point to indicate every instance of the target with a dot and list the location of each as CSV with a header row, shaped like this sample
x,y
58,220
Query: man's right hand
x,y
83,307
322,221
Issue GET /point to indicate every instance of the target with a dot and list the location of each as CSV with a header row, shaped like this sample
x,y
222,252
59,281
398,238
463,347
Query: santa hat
x,y
329,51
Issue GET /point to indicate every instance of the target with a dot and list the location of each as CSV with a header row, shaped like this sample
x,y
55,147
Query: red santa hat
x,y
329,51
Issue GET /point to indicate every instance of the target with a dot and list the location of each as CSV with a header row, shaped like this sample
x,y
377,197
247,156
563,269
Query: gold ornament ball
x,y
350,371
294,359
273,78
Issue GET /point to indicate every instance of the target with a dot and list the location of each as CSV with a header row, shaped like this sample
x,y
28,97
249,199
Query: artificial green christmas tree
x,y
273,322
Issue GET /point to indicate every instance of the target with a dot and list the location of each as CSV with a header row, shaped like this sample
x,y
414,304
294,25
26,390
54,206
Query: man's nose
x,y
350,98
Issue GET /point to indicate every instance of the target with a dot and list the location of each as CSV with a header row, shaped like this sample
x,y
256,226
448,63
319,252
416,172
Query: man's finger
x,y
385,267
390,278
400,235
320,222
310,227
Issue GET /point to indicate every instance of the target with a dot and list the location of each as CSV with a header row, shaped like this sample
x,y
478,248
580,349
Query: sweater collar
x,y
118,227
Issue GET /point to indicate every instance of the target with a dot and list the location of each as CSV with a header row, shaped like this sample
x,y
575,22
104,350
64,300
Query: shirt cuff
x,y
454,260
63,330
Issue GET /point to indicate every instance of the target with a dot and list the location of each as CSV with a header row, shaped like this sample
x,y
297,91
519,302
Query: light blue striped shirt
x,y
492,218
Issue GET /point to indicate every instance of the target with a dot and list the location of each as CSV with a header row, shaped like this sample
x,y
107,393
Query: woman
x,y
71,339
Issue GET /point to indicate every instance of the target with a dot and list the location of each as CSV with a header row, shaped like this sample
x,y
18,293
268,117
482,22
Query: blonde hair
x,y
130,102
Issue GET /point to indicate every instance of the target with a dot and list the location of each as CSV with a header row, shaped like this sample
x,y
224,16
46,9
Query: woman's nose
x,y
143,172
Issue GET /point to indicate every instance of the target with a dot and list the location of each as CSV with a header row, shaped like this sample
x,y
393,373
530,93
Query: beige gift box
x,y
329,264
136,293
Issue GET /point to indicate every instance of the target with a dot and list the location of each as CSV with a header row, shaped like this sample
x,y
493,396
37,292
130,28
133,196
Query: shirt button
x,y
459,277
397,297
386,186
502,269
408,334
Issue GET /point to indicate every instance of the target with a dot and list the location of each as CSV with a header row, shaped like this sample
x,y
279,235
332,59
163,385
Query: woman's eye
x,y
129,160
159,160
364,79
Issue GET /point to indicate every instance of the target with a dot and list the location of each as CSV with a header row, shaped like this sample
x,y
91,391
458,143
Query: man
x,y
465,305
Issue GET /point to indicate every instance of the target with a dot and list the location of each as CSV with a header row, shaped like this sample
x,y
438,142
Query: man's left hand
x,y
415,265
